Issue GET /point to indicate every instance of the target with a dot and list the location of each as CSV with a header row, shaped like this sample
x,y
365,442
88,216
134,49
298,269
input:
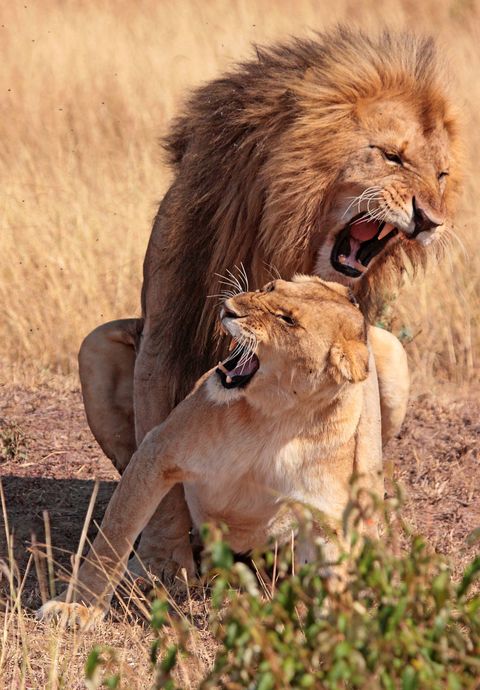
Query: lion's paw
x,y
72,615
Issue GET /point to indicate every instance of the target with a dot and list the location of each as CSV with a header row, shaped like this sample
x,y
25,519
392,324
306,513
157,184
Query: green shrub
x,y
401,622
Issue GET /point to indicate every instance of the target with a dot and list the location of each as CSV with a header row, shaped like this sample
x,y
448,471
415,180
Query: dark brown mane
x,y
255,157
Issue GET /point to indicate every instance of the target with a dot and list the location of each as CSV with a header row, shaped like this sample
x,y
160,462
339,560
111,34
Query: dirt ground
x,y
50,461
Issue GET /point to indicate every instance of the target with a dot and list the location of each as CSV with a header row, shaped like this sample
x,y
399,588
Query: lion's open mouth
x,y
358,243
239,367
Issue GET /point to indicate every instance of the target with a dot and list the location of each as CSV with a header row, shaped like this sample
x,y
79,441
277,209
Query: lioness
x,y
337,157
290,414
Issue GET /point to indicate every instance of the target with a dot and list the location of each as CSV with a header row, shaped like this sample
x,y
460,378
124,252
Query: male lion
x,y
290,415
336,157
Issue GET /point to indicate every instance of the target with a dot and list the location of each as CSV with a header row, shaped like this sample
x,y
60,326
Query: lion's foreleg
x,y
393,380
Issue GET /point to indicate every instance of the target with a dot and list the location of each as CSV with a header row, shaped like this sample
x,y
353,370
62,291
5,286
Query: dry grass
x,y
88,87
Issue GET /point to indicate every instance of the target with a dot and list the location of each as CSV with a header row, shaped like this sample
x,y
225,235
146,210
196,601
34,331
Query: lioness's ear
x,y
349,361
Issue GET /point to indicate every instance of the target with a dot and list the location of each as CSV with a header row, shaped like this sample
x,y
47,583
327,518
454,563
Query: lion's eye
x,y
393,157
442,175
286,318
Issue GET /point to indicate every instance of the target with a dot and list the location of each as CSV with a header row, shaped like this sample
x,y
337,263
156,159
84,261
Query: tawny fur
x,y
258,156
307,421
266,162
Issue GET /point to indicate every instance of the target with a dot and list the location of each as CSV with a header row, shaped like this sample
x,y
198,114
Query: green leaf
x,y
454,682
342,650
266,681
222,556
112,682
440,588
409,679
468,576
170,659
93,661
158,614
154,651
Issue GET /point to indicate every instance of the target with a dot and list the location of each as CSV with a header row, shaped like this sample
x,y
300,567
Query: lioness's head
x,y
302,338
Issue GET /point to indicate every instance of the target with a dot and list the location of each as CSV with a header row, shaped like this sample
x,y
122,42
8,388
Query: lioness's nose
x,y
425,217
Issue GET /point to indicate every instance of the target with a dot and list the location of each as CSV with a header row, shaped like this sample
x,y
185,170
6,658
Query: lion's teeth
x,y
353,263
359,266
232,345
387,228
229,379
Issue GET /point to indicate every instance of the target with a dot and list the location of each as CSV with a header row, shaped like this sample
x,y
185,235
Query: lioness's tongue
x,y
364,230
246,369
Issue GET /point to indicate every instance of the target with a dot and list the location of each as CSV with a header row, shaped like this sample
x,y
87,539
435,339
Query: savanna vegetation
x,y
87,89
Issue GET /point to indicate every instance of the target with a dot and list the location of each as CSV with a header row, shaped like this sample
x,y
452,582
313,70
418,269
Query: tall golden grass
x,y
88,87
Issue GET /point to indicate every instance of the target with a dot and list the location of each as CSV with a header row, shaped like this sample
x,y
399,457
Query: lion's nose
x,y
425,217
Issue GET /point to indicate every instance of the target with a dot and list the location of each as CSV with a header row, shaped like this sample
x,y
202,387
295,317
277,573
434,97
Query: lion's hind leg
x,y
106,363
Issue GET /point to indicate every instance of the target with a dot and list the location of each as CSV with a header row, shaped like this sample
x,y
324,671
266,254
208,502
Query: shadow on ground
x,y
66,501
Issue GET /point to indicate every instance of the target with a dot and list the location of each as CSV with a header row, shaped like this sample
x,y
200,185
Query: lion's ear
x,y
349,361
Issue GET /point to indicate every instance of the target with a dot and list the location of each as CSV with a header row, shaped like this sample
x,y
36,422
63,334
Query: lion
x,y
338,157
290,416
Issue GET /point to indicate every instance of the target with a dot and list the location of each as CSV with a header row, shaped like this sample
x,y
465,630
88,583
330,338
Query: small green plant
x,y
99,669
13,442
401,622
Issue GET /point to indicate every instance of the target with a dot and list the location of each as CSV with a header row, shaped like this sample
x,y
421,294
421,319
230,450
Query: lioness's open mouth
x,y
239,367
358,243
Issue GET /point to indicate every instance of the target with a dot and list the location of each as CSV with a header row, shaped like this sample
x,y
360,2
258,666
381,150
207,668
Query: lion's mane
x,y
256,158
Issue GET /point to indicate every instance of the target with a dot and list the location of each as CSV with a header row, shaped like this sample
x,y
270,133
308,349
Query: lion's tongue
x,y
364,230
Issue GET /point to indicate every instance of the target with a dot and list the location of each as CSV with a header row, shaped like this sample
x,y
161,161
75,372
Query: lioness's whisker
x,y
235,280
273,270
243,276
230,285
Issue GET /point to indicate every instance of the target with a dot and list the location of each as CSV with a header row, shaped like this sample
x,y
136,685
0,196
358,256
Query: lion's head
x,y
300,339
337,156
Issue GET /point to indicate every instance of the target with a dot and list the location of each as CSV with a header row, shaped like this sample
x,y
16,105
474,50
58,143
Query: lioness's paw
x,y
73,615
166,570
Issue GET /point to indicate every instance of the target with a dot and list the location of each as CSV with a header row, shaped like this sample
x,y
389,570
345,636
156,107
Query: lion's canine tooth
x,y
387,228
232,344
229,379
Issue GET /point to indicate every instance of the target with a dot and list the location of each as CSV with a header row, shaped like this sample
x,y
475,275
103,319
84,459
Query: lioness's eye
x,y
443,174
286,318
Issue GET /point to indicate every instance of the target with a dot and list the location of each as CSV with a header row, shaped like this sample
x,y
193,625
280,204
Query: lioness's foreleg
x,y
151,473
165,543
106,363
393,380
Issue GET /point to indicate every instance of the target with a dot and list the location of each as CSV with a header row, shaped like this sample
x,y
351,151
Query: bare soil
x,y
49,461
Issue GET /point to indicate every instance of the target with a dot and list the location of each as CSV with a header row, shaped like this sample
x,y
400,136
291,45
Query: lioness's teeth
x,y
222,368
387,228
229,379
232,345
